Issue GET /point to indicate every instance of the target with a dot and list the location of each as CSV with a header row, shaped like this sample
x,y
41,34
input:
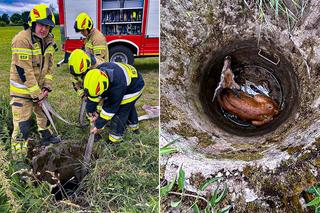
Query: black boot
x,y
47,138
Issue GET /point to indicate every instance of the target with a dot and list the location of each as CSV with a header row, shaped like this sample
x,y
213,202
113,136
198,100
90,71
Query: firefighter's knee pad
x,y
24,128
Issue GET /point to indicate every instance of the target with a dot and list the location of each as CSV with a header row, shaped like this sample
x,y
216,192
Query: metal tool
x,y
267,59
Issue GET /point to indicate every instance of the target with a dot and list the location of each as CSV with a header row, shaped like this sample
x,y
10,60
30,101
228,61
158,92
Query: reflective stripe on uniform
x,y
80,92
49,50
18,146
133,126
36,52
94,99
131,97
128,79
22,89
106,115
25,51
89,45
132,72
115,138
100,47
49,77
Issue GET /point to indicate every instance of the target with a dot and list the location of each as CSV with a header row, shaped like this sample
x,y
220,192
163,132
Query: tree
x,y
5,18
25,16
15,18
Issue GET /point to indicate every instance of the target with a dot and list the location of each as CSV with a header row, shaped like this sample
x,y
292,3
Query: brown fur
x,y
258,110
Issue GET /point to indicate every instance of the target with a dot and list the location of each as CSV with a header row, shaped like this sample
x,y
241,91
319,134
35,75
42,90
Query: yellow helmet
x,y
95,83
83,22
41,14
79,62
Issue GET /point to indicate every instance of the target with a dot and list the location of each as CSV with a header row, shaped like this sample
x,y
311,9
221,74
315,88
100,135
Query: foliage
x,y
315,190
212,202
16,18
168,149
25,16
5,18
289,10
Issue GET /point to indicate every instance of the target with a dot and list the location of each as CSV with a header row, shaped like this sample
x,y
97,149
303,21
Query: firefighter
x,y
95,41
31,78
119,86
79,63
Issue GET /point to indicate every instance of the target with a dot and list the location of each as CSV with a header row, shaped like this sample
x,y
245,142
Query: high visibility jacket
x,y
77,81
125,86
31,66
96,44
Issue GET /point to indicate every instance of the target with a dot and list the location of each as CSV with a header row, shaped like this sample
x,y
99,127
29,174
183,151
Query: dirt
x,y
265,172
58,163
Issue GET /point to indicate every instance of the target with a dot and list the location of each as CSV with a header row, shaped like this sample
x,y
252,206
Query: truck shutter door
x,y
153,21
72,8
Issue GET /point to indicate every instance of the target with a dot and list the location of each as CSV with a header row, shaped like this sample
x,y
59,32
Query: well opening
x,y
269,68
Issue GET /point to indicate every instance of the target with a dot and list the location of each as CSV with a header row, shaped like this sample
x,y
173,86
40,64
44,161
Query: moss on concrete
x,y
186,130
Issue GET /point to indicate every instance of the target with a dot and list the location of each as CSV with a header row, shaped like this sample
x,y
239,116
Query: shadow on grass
x,y
146,65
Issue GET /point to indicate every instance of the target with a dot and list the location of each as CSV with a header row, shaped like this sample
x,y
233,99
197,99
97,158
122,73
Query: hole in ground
x,y
247,64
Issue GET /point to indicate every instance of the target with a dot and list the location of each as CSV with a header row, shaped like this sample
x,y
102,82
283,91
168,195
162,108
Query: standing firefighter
x,y
79,63
119,85
31,78
95,42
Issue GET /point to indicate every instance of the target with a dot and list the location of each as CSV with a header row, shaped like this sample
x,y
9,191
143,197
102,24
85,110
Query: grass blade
x,y
167,188
167,150
314,202
225,209
181,179
195,208
208,182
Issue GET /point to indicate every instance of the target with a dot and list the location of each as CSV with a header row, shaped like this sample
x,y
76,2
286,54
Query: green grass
x,y
122,178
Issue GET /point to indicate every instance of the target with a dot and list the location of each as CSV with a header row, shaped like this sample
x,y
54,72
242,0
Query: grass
x,y
289,10
122,178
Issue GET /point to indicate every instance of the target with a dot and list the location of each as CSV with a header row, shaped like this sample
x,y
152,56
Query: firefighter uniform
x,y
97,45
95,42
120,86
30,72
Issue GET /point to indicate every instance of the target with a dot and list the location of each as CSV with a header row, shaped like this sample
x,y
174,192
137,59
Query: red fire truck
x,y
131,27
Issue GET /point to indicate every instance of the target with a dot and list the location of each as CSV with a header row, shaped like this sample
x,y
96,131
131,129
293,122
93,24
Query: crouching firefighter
x,y
120,86
79,63
31,78
95,42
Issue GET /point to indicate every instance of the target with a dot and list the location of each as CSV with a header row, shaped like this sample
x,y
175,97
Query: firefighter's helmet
x,y
41,14
79,62
83,22
95,83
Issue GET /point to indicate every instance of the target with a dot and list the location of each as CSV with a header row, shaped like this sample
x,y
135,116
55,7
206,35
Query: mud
x,y
59,163
266,171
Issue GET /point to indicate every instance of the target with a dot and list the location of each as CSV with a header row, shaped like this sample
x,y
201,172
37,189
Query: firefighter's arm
x,y
22,59
91,106
47,85
100,49
110,107
77,83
